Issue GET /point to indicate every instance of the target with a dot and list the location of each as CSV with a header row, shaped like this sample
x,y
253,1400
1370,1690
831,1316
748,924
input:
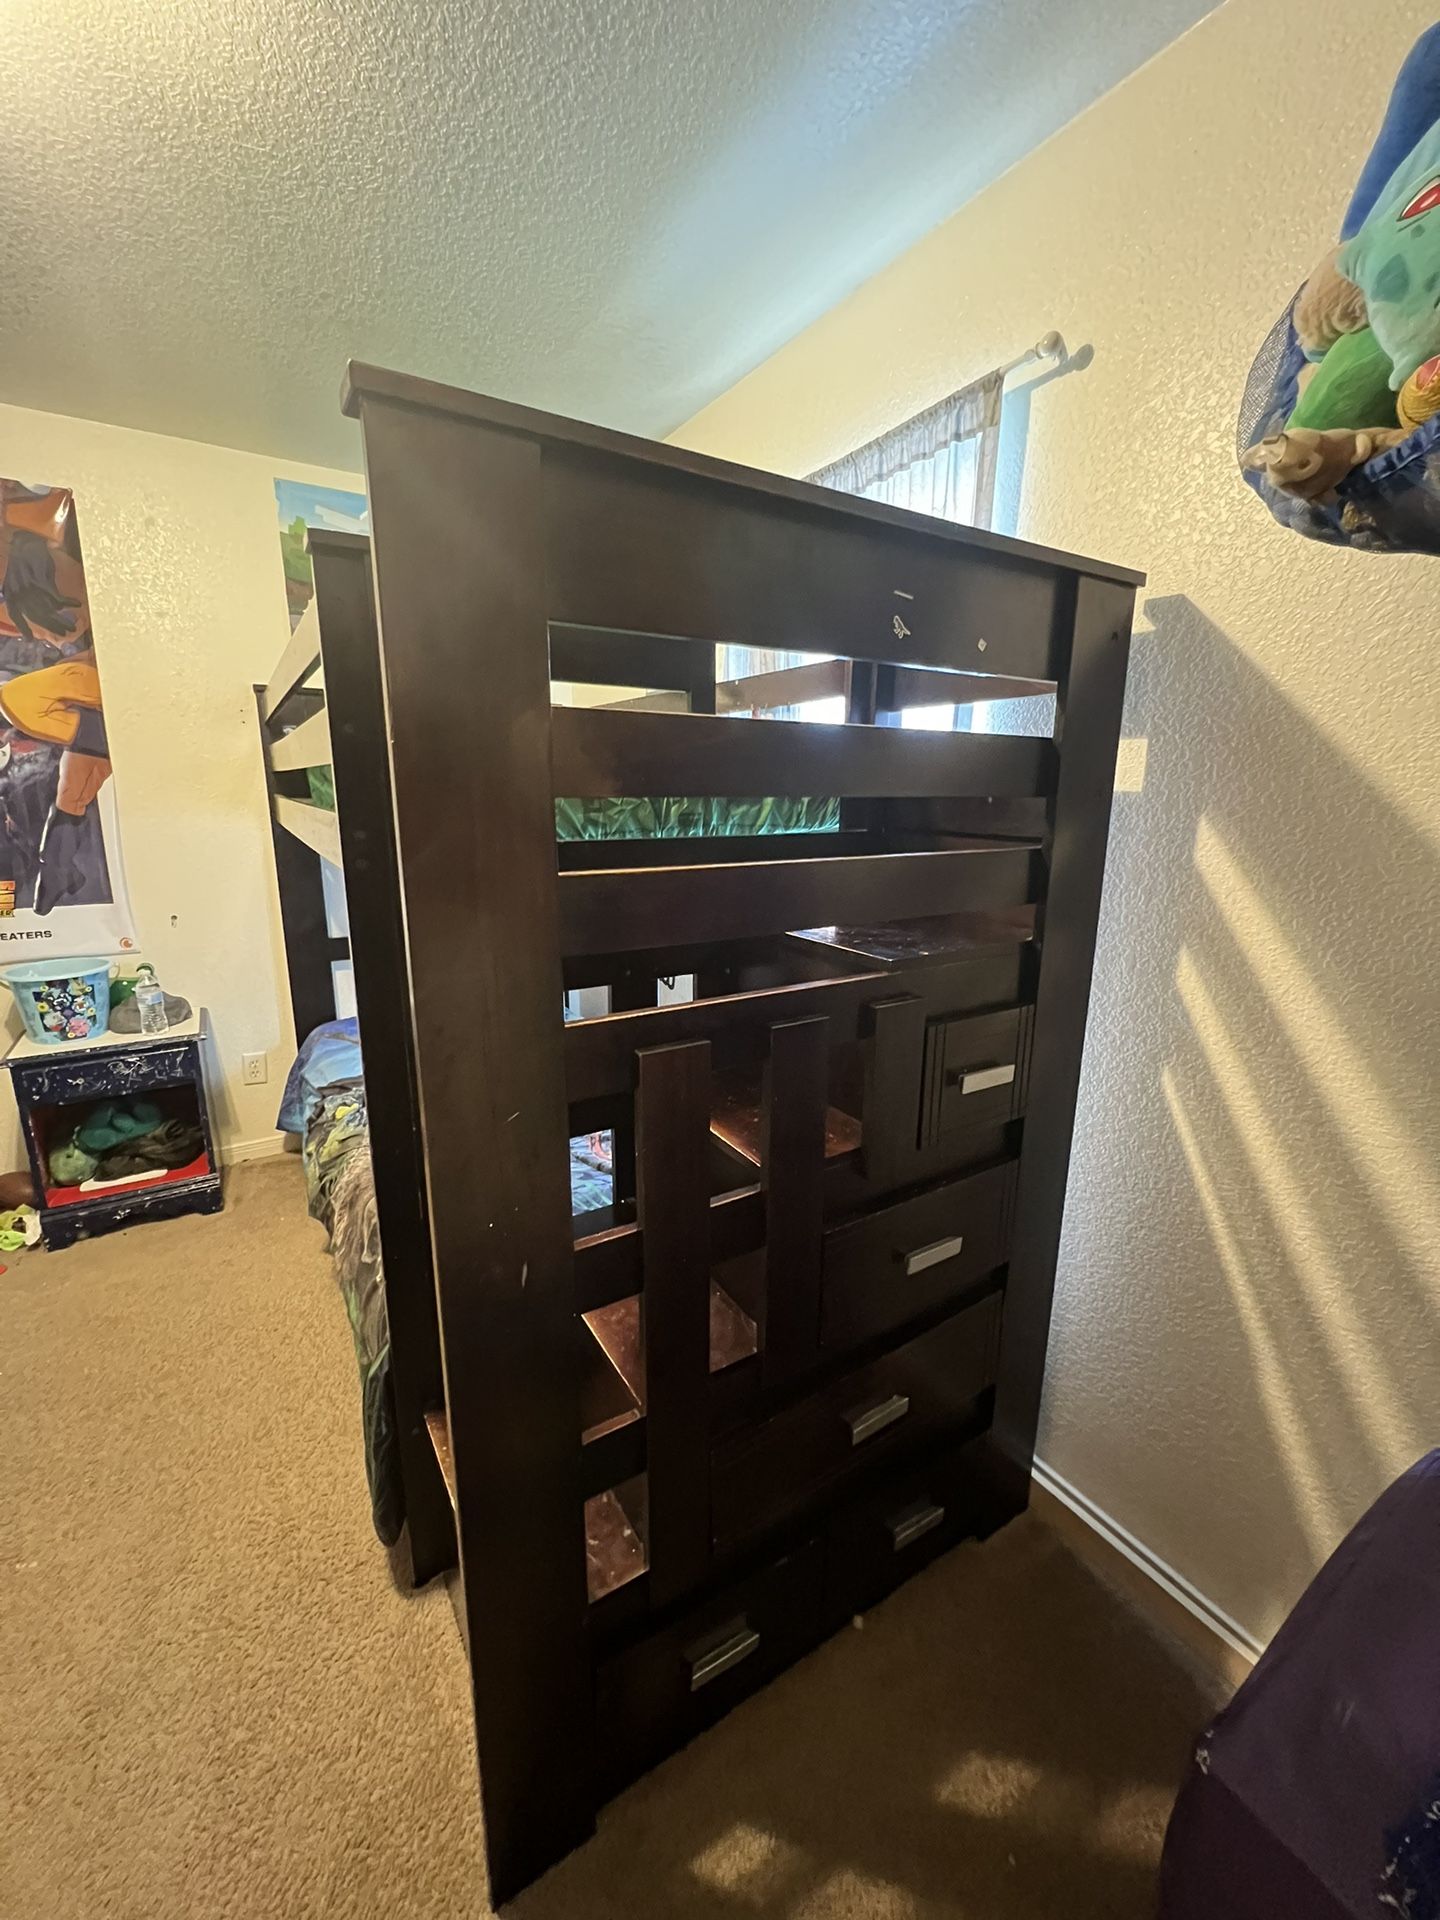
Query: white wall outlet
x,y
254,1069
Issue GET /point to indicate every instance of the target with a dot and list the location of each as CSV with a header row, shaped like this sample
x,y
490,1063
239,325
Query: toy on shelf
x,y
1337,430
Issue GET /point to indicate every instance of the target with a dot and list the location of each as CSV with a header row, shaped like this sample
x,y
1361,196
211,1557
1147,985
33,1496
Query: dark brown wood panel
x,y
600,753
653,1697
894,1065
476,837
345,601
599,1053
672,1158
926,1389
624,910
904,1261
594,657
608,1264
1090,701
309,948
554,430
792,1172
634,546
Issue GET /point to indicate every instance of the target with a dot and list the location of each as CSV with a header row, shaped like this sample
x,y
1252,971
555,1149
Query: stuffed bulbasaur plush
x,y
1395,261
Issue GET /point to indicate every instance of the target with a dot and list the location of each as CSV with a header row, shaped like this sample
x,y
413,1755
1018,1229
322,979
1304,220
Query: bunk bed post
x,y
361,771
673,1135
792,1172
459,571
1090,694
303,920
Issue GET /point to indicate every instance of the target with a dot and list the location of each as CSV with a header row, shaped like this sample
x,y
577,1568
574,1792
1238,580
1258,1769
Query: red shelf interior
x,y
195,1169
52,1123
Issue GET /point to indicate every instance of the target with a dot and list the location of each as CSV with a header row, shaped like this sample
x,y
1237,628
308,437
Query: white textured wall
x,y
182,557
1245,1341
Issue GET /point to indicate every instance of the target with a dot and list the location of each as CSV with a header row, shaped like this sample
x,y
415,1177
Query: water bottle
x,y
150,999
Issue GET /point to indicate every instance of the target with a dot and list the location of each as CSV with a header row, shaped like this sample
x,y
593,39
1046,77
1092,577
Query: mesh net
x,y
1258,404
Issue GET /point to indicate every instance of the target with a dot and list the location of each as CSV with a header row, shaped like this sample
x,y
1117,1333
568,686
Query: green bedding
x,y
681,819
659,819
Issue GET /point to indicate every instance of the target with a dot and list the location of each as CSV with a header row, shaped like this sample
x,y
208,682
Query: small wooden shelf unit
x,y
670,1446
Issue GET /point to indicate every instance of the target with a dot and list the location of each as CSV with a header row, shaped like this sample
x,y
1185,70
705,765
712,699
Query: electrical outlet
x,y
254,1069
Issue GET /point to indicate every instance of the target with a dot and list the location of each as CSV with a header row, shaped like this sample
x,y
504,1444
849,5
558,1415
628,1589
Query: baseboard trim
x,y
234,1151
1166,1597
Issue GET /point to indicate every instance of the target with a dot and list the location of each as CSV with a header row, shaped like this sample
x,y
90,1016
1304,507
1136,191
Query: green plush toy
x,y
1395,261
114,1121
1350,387
70,1164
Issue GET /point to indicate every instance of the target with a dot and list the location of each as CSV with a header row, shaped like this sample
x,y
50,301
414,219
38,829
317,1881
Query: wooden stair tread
x,y
735,1119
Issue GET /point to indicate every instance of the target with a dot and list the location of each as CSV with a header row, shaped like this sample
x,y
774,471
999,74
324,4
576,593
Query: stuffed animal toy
x,y
1346,412
1329,306
1369,315
1311,464
1395,261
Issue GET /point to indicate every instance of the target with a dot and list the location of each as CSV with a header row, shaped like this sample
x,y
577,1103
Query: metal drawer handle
x,y
739,1643
984,1078
865,1422
913,1523
931,1256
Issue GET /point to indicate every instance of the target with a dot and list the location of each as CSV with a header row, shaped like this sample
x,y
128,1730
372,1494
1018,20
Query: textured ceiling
x,y
609,207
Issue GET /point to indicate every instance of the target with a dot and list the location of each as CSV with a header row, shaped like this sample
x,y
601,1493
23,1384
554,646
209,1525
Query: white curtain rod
x,y
1050,346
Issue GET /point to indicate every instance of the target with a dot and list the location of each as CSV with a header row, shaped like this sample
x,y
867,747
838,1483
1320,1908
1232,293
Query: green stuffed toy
x,y
1395,261
1350,387
105,1127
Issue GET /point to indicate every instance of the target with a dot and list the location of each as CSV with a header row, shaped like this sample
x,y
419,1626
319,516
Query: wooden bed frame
x,y
670,1447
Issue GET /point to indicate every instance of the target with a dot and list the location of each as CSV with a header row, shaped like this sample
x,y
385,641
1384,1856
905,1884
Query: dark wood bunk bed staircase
x,y
671,1447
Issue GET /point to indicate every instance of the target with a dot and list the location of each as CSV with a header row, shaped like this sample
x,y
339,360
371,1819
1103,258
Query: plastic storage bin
x,y
61,1000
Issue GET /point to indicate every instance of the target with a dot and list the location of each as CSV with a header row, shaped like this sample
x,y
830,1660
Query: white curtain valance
x,y
916,463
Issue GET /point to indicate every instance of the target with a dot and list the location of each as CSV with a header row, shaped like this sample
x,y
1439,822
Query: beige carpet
x,y
216,1705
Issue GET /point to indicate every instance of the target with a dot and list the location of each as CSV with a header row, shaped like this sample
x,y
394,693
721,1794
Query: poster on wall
x,y
62,880
302,506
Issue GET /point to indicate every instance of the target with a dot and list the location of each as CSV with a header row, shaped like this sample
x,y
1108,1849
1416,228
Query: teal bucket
x,y
61,1000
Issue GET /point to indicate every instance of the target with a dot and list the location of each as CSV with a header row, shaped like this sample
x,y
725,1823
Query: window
x,y
941,462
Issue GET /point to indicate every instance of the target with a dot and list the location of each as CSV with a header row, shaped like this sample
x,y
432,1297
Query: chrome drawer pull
x,y
984,1078
865,1422
739,1645
932,1255
913,1523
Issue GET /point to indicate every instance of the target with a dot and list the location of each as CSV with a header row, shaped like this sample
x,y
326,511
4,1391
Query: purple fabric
x,y
1310,1795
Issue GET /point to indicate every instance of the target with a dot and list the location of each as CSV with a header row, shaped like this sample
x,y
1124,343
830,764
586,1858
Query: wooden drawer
x,y
896,1528
976,1072
103,1076
900,1262
767,1473
656,1695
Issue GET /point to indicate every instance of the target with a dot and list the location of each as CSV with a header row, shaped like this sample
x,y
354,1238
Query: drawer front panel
x,y
895,1529
976,1071
902,1261
927,1388
104,1078
656,1695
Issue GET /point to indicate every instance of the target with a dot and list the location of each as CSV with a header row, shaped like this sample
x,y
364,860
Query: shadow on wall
x,y
1265,1050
